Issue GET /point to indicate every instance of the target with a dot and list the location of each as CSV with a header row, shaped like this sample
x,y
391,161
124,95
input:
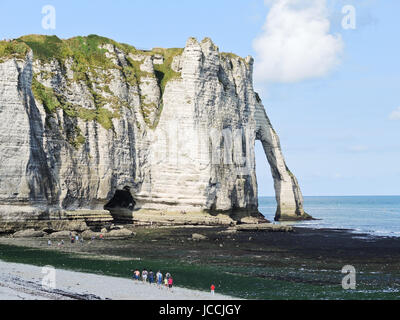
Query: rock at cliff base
x,y
231,230
198,237
65,225
252,220
63,234
30,233
78,226
88,234
121,233
266,227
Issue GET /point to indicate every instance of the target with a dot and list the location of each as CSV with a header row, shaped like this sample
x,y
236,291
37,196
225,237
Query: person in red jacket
x,y
170,282
212,289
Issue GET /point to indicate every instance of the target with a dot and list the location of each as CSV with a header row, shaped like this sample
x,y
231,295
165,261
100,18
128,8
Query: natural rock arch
x,y
287,191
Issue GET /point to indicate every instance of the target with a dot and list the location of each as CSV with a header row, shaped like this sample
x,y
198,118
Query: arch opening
x,y
265,184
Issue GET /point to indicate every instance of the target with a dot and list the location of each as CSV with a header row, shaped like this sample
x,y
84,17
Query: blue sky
x,y
335,129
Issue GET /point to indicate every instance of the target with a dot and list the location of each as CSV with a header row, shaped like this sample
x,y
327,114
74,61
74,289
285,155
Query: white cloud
x,y
395,115
295,43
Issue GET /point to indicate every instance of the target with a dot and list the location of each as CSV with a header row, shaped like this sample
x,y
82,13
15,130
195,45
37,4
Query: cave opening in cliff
x,y
122,200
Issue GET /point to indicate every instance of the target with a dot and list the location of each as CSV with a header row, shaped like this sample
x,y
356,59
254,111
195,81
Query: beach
x,y
24,282
303,264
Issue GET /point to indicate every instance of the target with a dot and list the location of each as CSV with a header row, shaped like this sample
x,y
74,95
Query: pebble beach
x,y
24,282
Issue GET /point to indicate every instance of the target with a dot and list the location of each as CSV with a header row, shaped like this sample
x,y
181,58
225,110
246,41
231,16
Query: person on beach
x,y
144,275
49,243
212,289
159,278
170,283
166,282
151,277
72,239
137,274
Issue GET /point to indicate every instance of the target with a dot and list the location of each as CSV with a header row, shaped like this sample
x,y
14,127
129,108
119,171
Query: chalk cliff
x,y
85,122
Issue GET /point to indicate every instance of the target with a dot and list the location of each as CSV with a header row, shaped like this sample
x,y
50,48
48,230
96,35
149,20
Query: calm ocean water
x,y
375,215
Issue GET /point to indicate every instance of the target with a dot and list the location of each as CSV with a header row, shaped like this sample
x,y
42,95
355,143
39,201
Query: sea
x,y
371,215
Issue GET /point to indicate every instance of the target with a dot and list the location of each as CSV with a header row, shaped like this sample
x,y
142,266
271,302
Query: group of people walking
x,y
75,239
150,277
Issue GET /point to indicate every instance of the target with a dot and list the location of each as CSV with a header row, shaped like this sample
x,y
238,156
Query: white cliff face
x,y
188,147
15,139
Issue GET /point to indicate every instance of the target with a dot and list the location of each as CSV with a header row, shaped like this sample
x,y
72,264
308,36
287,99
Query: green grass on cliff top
x,y
13,49
86,51
83,49
88,57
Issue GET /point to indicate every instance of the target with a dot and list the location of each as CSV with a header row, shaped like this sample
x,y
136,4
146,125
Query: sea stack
x,y
89,124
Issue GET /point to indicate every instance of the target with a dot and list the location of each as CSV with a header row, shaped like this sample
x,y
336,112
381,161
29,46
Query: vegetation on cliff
x,y
13,49
91,63
164,71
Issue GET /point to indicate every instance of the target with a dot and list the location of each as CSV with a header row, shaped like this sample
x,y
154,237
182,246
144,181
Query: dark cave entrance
x,y
122,202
